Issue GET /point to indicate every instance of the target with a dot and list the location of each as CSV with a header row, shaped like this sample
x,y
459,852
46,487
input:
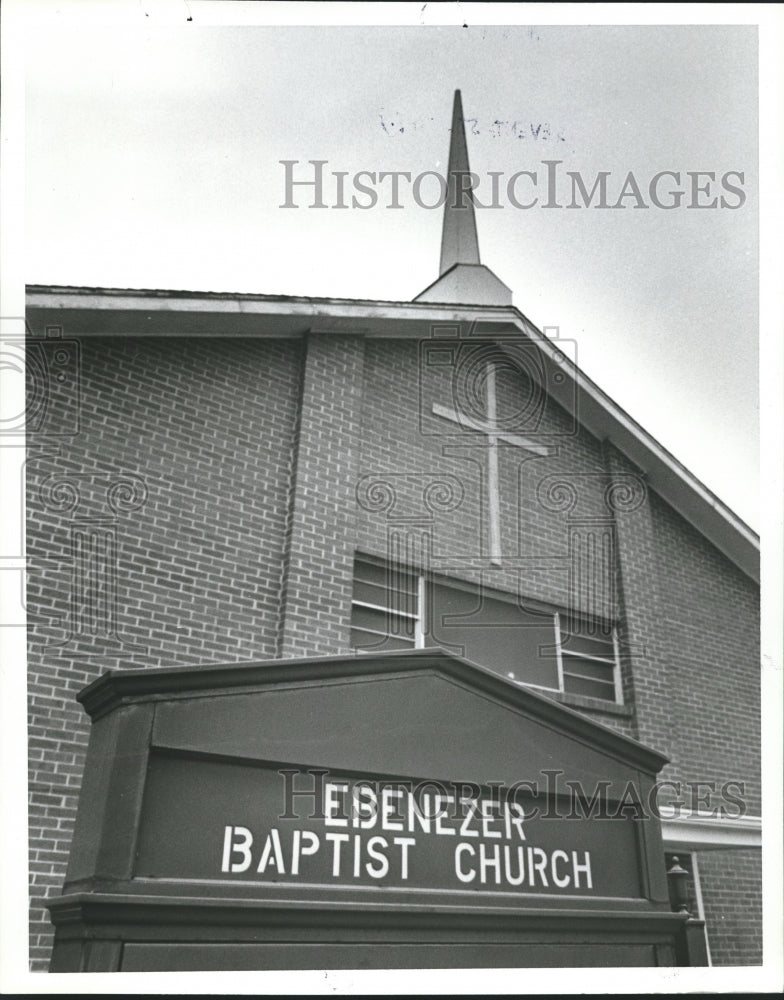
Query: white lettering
x,y
464,828
241,847
516,821
518,878
423,818
332,805
298,849
404,843
585,867
337,839
537,866
271,846
365,807
441,813
388,808
357,853
226,848
488,817
383,868
486,862
561,881
470,875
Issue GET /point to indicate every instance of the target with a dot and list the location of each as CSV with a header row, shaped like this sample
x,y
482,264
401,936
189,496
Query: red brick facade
x,y
247,465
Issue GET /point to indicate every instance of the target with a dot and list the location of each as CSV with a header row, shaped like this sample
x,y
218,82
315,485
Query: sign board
x,y
311,827
397,810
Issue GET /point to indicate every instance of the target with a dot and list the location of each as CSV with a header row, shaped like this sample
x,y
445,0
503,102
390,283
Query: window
x,y
397,608
589,657
385,608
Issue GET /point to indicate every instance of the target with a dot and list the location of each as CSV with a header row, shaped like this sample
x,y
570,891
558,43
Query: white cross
x,y
489,427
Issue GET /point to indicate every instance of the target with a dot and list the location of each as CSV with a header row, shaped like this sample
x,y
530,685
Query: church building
x,y
316,546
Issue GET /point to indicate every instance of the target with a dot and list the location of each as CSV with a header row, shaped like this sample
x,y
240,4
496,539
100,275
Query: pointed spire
x,y
462,279
459,243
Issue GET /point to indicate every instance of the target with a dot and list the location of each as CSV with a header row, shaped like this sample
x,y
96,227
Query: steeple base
x,y
469,285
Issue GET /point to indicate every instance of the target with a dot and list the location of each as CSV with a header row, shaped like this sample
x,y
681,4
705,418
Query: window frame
x,y
392,612
419,616
614,661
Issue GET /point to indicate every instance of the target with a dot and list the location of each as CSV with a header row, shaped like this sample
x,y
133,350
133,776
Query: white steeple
x,y
463,279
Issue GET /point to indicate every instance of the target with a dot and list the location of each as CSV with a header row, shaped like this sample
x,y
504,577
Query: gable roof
x,y
85,312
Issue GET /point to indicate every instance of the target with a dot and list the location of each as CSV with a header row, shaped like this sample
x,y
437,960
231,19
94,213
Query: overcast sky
x,y
153,161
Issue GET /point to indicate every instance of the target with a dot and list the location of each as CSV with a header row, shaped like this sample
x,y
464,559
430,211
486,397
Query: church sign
x,y
353,831
402,810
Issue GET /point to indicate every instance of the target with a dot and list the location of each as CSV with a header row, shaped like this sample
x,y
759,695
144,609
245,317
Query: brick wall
x,y
231,483
201,435
548,503
731,883
708,636
692,623
319,557
409,448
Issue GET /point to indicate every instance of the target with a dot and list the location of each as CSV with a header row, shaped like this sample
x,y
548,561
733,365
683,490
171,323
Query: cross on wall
x,y
494,437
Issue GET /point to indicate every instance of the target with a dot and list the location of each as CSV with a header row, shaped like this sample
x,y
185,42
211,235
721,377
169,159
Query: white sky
x,y
153,161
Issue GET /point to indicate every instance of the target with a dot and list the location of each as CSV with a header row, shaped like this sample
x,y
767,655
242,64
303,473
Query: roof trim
x,y
698,832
